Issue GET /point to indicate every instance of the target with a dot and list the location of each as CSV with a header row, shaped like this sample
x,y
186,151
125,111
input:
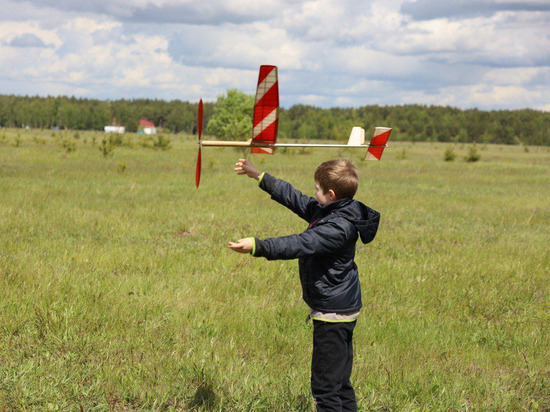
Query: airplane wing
x,y
266,110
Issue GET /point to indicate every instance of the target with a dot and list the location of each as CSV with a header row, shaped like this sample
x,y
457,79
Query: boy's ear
x,y
332,195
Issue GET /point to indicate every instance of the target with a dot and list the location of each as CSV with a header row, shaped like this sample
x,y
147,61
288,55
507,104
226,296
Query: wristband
x,y
261,177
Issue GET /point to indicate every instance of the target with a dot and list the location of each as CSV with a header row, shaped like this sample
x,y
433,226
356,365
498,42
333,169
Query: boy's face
x,y
324,198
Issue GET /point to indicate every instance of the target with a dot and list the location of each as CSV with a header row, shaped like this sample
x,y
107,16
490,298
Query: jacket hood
x,y
364,218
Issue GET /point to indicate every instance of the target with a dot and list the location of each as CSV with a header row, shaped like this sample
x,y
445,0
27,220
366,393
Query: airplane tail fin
x,y
378,143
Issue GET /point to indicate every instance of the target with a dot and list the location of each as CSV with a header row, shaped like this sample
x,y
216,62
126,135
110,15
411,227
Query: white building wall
x,y
114,129
150,130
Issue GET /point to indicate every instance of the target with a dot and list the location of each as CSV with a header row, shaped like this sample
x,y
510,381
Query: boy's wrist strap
x,y
260,178
253,251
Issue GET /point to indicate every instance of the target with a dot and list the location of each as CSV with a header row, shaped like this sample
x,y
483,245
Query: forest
x,y
299,122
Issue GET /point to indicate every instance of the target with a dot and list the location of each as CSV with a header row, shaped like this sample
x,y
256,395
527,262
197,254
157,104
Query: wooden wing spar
x,y
266,121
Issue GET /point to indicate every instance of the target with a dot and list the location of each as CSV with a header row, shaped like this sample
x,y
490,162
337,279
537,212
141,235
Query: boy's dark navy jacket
x,y
326,250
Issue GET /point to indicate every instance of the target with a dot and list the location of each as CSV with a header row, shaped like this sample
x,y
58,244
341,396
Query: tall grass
x,y
117,290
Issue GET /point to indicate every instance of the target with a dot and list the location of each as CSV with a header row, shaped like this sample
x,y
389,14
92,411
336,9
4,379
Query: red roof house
x,y
146,127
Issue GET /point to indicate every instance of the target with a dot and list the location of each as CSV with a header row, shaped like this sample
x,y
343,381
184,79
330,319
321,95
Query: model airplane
x,y
266,121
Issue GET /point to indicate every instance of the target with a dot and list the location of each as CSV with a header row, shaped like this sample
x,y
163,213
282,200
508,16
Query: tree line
x,y
421,123
410,122
90,114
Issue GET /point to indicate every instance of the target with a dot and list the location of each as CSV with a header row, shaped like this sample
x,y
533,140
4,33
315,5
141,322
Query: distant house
x,y
146,127
114,129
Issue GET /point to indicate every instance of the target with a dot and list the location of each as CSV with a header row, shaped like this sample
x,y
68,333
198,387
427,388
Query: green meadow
x,y
118,292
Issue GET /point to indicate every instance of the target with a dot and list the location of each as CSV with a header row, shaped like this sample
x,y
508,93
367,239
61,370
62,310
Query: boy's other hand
x,y
245,167
242,245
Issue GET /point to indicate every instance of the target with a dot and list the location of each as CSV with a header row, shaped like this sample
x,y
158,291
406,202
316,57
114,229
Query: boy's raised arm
x,y
280,191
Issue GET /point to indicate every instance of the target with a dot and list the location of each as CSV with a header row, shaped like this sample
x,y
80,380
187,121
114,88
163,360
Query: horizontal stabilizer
x,y
378,143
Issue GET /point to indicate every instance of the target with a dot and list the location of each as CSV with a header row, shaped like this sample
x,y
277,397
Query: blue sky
x,y
489,54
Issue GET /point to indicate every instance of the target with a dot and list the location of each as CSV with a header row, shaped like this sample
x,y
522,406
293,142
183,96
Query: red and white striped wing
x,y
266,109
378,143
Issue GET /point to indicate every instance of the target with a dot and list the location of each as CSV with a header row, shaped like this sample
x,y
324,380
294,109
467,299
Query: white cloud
x,y
10,31
242,47
481,95
27,40
433,9
171,11
329,52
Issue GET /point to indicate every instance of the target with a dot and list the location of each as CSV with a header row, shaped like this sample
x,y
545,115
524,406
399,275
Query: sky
x,y
486,54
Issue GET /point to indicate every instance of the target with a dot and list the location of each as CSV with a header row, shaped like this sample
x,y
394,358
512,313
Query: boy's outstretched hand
x,y
245,167
242,245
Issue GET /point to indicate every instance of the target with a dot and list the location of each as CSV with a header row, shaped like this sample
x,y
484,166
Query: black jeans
x,y
331,366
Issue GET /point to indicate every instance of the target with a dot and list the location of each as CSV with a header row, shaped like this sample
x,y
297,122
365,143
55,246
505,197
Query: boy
x,y
328,274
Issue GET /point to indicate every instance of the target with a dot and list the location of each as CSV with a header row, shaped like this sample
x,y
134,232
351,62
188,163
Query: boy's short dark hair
x,y
339,175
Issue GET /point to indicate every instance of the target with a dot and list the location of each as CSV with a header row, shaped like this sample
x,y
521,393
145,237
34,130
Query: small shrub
x,y
76,135
162,142
526,149
39,140
129,142
115,139
69,145
106,148
449,154
304,150
147,141
473,154
121,167
17,140
402,155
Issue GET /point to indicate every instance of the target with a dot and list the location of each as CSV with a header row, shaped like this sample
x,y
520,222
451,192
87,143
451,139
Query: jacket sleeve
x,y
322,239
285,194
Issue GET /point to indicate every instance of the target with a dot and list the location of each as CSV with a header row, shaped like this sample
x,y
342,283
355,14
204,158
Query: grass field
x,y
117,290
